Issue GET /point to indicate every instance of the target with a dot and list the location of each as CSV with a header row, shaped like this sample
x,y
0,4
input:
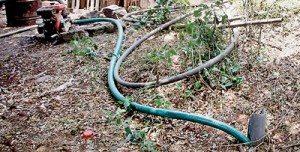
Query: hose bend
x,y
181,76
157,111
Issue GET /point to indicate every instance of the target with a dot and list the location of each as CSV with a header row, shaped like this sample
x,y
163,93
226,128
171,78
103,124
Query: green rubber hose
x,y
157,111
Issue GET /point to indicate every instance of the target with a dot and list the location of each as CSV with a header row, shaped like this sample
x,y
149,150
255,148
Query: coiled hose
x,y
157,111
181,76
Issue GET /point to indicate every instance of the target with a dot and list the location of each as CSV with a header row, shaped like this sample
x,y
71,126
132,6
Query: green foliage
x,y
224,75
161,12
162,102
119,114
165,54
270,10
138,137
83,46
206,41
262,9
201,41
179,86
198,85
133,135
260,55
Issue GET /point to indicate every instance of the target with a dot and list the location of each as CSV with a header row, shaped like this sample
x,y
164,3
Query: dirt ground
x,y
48,96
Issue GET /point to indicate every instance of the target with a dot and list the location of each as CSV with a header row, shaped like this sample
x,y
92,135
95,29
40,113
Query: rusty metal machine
x,y
54,20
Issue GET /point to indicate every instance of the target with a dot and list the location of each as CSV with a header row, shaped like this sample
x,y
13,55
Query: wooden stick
x,y
236,18
180,26
256,22
77,4
290,146
88,4
73,4
239,24
18,31
97,5
92,5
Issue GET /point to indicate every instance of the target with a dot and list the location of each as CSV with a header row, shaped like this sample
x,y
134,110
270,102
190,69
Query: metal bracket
x,y
257,127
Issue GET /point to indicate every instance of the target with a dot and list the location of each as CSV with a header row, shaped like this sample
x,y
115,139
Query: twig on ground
x,y
202,80
290,146
18,31
240,24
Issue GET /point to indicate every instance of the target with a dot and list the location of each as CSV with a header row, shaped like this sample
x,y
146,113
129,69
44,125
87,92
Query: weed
x,y
133,135
161,13
260,55
165,54
179,86
198,85
162,102
201,41
83,46
261,9
206,41
270,10
187,95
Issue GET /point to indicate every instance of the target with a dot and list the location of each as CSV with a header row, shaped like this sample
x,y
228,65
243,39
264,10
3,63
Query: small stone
x,y
170,37
43,79
92,14
114,11
42,149
49,3
295,129
242,118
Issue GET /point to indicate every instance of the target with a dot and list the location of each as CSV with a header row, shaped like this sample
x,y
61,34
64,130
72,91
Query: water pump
x,y
54,20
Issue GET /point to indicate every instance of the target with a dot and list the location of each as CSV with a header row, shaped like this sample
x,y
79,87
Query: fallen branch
x,y
290,146
255,22
59,88
239,24
18,31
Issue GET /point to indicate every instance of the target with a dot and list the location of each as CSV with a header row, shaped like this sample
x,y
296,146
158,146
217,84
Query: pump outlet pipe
x,y
157,111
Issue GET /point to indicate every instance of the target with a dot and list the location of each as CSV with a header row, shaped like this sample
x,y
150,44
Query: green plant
x,y
138,137
204,34
165,54
134,136
83,46
156,56
162,102
261,9
260,55
200,41
271,10
161,12
198,85
206,41
187,95
178,86
224,76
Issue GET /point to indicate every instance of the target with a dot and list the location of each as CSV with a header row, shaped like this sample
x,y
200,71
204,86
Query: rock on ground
x,y
114,11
